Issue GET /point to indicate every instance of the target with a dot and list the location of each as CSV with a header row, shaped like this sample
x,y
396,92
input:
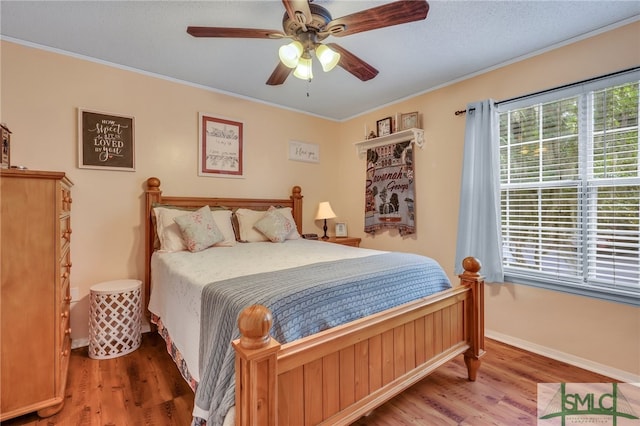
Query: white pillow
x,y
223,220
169,233
246,220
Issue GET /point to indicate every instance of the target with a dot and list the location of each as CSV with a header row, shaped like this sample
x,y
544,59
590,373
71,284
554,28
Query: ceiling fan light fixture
x,y
327,57
303,70
290,54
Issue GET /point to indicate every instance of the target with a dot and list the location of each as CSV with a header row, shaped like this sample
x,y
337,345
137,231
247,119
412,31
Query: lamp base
x,y
324,228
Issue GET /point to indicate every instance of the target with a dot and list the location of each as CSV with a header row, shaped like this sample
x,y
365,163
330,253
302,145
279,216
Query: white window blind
x,y
570,189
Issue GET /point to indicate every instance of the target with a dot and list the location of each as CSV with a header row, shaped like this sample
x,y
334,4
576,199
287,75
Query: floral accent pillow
x,y
274,226
199,230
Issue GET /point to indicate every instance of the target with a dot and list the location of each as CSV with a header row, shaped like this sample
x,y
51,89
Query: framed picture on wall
x,y
220,149
105,141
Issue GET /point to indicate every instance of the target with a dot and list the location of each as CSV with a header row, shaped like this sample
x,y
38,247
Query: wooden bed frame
x,y
338,375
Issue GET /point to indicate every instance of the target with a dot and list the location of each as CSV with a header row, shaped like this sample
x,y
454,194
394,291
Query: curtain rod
x,y
565,86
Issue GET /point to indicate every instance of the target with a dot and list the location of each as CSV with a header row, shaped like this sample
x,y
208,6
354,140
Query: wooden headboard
x,y
153,195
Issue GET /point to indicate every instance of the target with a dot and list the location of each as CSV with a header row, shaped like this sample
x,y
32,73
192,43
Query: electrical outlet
x,y
75,294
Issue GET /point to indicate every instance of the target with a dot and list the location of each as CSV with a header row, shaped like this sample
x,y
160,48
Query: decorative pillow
x,y
274,226
199,230
170,235
287,213
246,220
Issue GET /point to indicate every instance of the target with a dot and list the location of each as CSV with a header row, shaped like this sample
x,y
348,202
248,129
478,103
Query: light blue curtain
x,y
479,233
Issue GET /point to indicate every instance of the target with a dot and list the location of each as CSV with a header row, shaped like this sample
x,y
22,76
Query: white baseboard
x,y
84,341
605,370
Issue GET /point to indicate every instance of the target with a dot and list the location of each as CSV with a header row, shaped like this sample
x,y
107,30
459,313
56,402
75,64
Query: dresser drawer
x,y
65,327
65,199
65,266
65,231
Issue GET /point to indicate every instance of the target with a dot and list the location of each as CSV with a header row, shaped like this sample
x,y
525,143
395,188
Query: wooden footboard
x,y
336,376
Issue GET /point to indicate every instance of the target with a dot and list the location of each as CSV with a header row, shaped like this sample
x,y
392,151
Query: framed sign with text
x,y
301,151
105,141
220,151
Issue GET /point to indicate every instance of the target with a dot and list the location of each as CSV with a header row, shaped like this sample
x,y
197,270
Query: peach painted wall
x,y
585,329
41,91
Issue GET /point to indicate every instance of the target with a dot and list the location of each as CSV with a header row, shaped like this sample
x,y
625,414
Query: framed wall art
x,y
409,121
105,141
301,151
384,126
220,147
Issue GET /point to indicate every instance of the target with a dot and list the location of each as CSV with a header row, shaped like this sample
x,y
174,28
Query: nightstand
x,y
345,241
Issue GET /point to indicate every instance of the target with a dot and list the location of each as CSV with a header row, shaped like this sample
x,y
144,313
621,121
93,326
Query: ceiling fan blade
x,y
298,10
279,75
233,32
353,64
395,13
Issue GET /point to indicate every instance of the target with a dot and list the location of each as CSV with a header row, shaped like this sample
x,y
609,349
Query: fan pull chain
x,y
308,84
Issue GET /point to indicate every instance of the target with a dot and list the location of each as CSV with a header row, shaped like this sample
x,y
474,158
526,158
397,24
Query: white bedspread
x,y
178,278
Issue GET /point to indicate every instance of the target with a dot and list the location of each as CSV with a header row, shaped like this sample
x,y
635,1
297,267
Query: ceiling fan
x,y
309,24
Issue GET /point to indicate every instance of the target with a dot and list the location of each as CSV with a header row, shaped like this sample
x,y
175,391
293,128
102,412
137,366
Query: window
x,y
570,190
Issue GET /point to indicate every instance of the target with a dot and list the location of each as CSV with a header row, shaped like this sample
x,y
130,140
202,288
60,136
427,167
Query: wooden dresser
x,y
35,262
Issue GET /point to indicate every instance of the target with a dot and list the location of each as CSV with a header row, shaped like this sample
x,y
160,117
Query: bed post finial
x,y
153,183
254,323
471,266
256,372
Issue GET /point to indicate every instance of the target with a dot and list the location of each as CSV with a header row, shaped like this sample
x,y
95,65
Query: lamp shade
x,y
327,57
325,211
290,54
303,70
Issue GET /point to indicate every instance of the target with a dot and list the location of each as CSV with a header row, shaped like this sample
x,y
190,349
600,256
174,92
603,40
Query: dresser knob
x,y
67,331
65,314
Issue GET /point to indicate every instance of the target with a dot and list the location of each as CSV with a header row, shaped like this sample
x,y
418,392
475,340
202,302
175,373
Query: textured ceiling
x,y
457,39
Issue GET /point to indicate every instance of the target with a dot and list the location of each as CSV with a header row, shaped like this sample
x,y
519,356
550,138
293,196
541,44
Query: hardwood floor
x,y
145,388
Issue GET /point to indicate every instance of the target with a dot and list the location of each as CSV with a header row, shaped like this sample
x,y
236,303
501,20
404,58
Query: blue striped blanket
x,y
304,300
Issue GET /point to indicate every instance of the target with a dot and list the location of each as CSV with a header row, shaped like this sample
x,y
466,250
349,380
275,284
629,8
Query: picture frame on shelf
x,y
341,229
384,126
409,121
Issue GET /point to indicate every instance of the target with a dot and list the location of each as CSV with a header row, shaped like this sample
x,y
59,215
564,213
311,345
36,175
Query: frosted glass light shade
x,y
303,70
290,54
327,57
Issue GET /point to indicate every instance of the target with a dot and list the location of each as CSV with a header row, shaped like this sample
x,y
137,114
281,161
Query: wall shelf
x,y
413,135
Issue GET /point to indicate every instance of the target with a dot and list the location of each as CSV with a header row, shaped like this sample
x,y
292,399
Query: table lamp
x,y
325,212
